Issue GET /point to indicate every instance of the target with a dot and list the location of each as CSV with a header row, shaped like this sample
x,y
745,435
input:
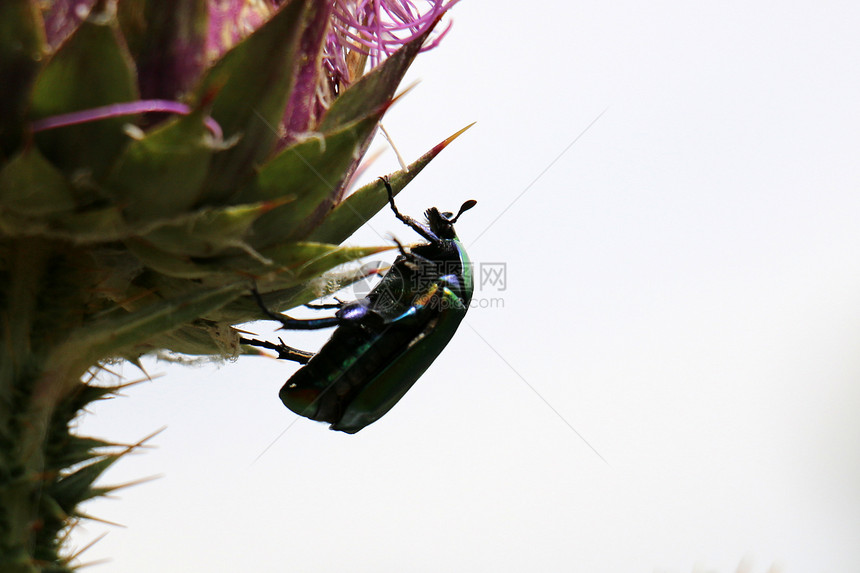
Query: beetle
x,y
385,341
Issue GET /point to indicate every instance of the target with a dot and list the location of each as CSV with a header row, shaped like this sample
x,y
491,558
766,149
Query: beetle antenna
x,y
463,208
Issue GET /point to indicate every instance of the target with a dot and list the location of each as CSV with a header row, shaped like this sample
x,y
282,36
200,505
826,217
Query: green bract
x,y
125,233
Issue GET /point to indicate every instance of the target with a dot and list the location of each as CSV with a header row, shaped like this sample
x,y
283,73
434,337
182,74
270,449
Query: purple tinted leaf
x,y
303,108
172,53
62,17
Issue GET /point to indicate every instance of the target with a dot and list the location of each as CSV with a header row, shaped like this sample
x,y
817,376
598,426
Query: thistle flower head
x,y
212,138
232,20
350,37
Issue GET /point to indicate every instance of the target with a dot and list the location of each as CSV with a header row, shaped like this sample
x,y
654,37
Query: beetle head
x,y
442,222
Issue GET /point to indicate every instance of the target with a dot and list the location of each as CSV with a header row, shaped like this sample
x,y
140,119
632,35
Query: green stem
x,y
20,443
41,305
52,329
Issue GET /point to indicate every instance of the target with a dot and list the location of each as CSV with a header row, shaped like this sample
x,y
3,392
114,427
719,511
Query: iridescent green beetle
x,y
384,342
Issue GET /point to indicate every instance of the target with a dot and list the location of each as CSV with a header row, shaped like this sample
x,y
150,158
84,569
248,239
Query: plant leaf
x,y
294,263
301,112
31,185
110,337
245,308
202,338
252,84
361,206
208,232
171,52
312,171
97,225
170,264
90,69
161,174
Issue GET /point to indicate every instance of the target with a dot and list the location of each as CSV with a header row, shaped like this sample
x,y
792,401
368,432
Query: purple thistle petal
x,y
119,110
231,20
352,30
377,28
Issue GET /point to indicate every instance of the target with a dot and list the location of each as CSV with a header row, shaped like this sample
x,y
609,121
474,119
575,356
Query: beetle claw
x,y
284,352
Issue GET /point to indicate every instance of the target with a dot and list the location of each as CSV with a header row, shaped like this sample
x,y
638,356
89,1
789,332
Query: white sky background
x,y
683,289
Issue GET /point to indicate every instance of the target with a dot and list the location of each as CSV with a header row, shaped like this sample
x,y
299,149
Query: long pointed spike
x,y
444,143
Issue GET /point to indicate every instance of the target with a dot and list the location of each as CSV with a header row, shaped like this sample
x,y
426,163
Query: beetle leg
x,y
294,323
411,255
409,221
417,262
284,352
406,254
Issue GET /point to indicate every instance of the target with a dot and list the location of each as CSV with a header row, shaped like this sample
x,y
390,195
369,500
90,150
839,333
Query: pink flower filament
x,y
119,110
